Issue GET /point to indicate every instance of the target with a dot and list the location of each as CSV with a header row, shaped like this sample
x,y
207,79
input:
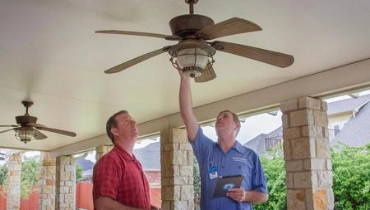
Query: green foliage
x,y
3,174
273,165
196,183
30,174
351,177
78,171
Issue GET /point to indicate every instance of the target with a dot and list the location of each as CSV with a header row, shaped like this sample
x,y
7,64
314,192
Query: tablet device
x,y
225,183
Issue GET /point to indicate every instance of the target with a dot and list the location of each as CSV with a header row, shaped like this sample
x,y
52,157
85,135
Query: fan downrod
x,y
27,103
191,5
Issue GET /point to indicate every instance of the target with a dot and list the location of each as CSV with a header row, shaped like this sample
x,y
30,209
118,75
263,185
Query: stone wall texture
x,y
307,154
177,170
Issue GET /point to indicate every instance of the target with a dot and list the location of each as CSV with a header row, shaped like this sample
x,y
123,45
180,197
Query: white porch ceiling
x,y
50,54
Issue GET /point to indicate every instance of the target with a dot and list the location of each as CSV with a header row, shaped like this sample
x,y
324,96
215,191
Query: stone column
x,y
13,198
102,150
65,183
47,182
177,170
307,155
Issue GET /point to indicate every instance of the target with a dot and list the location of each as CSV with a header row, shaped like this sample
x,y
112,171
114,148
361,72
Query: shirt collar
x,y
124,153
237,146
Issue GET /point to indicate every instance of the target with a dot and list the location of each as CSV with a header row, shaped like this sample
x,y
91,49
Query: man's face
x,y
225,122
126,127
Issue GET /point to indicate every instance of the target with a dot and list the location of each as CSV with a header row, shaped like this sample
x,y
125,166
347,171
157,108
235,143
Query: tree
x,y
29,174
3,174
273,165
196,183
78,171
351,177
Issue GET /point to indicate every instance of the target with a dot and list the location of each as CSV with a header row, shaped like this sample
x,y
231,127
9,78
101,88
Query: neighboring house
x,y
355,132
348,122
149,158
343,111
87,168
264,142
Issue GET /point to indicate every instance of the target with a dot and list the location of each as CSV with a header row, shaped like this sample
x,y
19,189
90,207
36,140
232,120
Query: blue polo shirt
x,y
239,160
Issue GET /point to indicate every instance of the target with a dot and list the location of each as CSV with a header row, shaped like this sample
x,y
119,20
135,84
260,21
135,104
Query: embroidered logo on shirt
x,y
239,159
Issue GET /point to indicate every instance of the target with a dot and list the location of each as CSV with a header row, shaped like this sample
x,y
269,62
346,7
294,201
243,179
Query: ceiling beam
x,y
343,79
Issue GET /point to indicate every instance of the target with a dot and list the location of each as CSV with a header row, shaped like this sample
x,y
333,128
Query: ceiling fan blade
x,y
63,132
14,126
135,33
208,74
39,135
262,55
6,130
136,60
228,27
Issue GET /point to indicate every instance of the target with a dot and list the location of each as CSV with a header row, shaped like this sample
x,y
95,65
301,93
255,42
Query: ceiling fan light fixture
x,y
192,61
191,57
25,135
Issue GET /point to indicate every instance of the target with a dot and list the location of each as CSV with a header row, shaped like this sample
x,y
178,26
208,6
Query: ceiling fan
x,y
193,54
27,128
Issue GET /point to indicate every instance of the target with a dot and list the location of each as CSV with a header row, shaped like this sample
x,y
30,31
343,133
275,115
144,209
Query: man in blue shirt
x,y
226,157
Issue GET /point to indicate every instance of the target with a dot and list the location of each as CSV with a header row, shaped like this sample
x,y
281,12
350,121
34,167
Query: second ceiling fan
x,y
193,54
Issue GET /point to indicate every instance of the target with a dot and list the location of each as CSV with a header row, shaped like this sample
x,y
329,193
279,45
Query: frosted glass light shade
x,y
25,135
192,57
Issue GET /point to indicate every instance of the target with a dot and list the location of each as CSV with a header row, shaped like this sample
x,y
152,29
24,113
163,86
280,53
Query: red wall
x,y
32,201
84,195
2,199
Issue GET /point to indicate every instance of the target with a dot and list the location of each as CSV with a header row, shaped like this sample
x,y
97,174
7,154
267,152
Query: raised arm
x,y
186,107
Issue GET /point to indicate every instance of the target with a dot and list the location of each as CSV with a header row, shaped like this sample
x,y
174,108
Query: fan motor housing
x,y
189,24
25,119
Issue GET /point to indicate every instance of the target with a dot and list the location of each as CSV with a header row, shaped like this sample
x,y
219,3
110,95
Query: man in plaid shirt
x,y
119,182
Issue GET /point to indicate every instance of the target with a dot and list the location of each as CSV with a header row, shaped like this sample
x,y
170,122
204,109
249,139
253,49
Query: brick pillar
x,y
177,170
102,150
307,155
13,198
65,183
47,182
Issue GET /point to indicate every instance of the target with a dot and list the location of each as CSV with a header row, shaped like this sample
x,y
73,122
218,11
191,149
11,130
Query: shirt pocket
x,y
247,171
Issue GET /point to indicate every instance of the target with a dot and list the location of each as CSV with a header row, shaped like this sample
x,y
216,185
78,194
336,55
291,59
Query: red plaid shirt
x,y
119,176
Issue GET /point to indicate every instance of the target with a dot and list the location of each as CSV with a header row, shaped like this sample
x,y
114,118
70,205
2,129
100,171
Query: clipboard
x,y
225,183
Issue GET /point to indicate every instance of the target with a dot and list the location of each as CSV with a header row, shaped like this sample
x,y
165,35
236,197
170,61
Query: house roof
x,y
347,105
149,156
356,131
84,163
257,144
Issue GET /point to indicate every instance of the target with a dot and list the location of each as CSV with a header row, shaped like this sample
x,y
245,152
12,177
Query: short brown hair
x,y
112,123
235,116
